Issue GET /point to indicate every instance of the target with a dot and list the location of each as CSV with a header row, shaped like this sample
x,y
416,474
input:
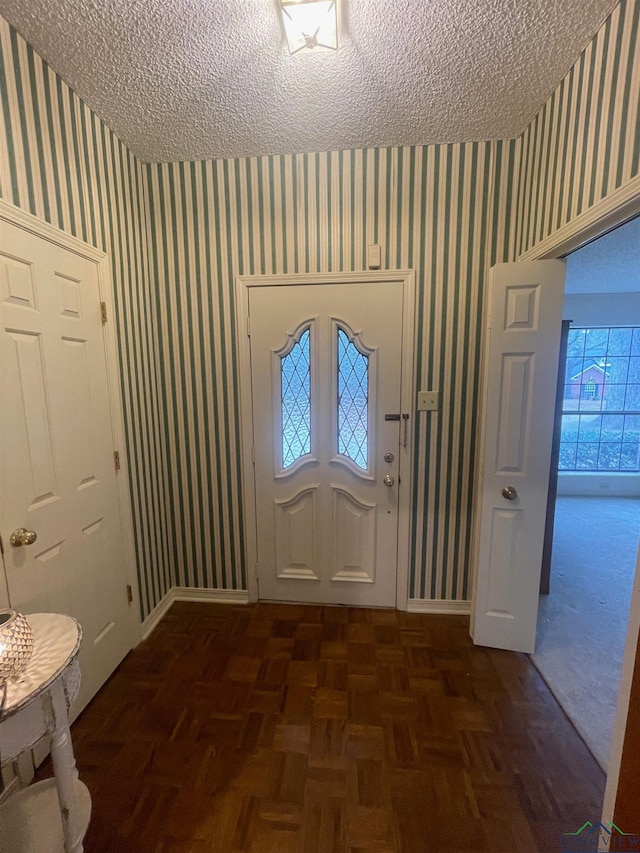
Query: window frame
x,y
589,407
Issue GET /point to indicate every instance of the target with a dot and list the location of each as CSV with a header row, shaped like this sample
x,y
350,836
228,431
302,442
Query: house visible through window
x,y
601,406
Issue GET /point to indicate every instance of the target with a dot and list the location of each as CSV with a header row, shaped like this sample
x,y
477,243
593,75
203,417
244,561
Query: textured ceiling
x,y
610,264
192,79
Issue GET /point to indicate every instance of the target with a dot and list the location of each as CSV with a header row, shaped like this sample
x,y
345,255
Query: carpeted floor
x,y
582,623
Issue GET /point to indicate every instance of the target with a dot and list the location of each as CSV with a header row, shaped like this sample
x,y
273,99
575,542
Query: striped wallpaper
x,y
59,162
432,209
585,141
178,233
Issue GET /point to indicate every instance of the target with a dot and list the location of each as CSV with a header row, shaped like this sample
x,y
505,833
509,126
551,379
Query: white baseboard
x,y
189,593
432,605
241,596
601,484
157,613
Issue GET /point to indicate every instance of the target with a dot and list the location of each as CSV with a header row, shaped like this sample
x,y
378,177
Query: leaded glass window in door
x,y
295,375
353,401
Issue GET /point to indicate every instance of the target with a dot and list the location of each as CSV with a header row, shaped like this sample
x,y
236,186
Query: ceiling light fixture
x,y
310,25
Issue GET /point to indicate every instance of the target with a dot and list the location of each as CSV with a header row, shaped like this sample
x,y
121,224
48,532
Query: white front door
x,y
58,478
326,383
520,372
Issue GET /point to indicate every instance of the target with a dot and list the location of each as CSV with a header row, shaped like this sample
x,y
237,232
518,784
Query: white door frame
x,y
243,284
621,205
20,218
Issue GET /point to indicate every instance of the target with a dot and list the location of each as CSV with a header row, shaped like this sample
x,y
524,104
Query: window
x,y
601,406
353,401
295,375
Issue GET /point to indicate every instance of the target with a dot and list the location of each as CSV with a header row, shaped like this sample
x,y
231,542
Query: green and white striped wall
x,y
178,233
432,209
585,142
59,162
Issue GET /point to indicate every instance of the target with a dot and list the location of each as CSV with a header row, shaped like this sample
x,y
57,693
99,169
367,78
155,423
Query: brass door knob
x,y
388,480
22,536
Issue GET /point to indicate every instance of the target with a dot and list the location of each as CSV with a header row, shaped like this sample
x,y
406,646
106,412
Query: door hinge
x,y
129,594
1,546
253,454
103,312
249,326
116,459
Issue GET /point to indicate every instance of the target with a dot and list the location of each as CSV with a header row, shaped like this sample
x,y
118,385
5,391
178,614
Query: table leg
x,y
64,766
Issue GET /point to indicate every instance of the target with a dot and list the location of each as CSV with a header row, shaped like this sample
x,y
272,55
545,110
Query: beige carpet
x,y
582,623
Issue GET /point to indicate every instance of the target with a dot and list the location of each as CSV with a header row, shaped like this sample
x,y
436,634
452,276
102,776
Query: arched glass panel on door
x,y
295,374
353,401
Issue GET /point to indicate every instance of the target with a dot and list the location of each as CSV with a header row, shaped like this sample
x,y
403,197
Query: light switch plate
x,y
375,256
427,401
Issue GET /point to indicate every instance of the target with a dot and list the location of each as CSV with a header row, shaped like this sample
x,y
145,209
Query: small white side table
x,y
50,816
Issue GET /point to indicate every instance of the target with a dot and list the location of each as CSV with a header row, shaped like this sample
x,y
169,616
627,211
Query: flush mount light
x,y
310,25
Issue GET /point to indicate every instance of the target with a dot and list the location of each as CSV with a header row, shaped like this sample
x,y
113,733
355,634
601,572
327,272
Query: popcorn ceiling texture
x,y
201,79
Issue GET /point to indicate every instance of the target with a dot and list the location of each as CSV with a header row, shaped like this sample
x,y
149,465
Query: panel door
x,y
57,464
521,364
326,371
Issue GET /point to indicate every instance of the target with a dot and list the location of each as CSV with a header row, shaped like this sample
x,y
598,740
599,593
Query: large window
x,y
601,408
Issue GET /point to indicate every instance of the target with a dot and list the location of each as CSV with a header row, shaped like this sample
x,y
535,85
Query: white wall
x,y
602,309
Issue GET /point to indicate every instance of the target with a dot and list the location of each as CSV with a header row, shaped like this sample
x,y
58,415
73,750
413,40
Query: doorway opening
x,y
582,621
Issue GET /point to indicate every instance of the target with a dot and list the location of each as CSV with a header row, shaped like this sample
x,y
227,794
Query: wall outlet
x,y
427,401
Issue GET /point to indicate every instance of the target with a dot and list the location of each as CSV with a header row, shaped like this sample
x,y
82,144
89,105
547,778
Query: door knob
x,y
388,480
509,493
21,536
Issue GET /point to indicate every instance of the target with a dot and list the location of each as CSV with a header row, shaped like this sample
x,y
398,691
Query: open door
x,y
520,369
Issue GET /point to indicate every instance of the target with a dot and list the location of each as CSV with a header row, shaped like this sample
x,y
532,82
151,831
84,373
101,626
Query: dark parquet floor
x,y
290,729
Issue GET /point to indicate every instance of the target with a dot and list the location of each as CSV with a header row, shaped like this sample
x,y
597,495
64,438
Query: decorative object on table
x,y
51,815
16,643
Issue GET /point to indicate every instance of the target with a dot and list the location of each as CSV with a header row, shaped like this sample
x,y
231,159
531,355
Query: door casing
x,y
243,283
18,217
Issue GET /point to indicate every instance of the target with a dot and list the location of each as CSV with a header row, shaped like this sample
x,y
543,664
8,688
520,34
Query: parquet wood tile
x,y
277,728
